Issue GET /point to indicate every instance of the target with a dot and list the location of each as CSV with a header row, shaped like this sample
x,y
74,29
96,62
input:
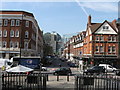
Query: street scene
x,y
59,45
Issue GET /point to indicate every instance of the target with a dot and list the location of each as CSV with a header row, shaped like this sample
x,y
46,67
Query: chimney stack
x,y
114,22
89,20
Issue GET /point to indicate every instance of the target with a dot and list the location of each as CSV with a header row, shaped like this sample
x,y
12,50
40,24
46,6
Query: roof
x,y
95,26
16,11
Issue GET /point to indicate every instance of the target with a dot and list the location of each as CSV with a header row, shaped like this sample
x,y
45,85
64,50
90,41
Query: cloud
x,y
101,6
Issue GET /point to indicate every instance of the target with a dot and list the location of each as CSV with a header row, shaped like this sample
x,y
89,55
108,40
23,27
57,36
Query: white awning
x,y
19,68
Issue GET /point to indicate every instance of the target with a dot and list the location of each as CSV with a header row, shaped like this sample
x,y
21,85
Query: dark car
x,y
62,71
95,70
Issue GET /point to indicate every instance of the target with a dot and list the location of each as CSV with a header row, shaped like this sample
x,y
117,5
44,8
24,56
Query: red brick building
x,y
20,35
99,43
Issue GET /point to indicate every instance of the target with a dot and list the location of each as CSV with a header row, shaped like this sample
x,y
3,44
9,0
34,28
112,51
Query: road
x,y
62,84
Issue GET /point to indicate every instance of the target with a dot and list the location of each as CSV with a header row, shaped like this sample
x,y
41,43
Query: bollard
x,y
76,82
67,77
57,77
44,82
47,77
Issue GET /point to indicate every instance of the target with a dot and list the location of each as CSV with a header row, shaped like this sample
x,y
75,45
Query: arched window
x,y
26,45
11,44
17,33
5,33
16,44
5,22
4,44
26,34
27,24
11,33
12,22
17,22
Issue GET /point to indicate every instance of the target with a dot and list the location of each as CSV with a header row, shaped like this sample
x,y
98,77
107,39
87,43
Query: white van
x,y
108,67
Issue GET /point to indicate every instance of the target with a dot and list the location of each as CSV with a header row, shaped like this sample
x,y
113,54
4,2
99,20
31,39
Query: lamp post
x,y
105,56
21,35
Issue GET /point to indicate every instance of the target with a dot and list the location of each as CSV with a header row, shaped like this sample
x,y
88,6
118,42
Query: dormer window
x,y
105,27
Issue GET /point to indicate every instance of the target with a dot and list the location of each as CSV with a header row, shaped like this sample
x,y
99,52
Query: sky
x,y
65,17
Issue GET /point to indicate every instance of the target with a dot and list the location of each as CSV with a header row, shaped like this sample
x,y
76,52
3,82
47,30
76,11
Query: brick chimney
x,y
114,23
89,20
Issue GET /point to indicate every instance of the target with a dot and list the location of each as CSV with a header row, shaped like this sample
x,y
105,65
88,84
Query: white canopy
x,y
19,68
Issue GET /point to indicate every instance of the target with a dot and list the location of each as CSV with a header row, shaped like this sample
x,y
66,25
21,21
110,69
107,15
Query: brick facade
x,y
99,43
29,36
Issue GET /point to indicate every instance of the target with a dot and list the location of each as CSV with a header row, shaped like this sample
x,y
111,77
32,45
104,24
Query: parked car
x,y
62,71
108,68
44,69
95,70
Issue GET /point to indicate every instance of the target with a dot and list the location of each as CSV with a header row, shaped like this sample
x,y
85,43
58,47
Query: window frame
x,y
16,44
101,38
11,43
109,49
4,43
17,35
26,34
1,22
109,38
101,49
5,33
113,38
27,23
12,22
0,33
113,49
96,48
17,22
25,45
105,28
5,22
97,38
11,33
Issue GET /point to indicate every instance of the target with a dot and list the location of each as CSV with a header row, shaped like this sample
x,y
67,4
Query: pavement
x,y
62,84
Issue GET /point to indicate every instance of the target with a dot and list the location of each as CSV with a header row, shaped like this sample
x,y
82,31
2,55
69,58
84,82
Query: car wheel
x,y
55,74
114,71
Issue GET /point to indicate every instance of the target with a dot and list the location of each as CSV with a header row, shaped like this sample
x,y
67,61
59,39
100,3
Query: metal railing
x,y
92,82
22,81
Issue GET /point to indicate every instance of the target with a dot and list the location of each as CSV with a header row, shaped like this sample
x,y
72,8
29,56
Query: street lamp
x,y
21,35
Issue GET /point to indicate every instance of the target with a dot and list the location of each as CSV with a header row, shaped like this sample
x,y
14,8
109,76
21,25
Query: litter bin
x,y
88,81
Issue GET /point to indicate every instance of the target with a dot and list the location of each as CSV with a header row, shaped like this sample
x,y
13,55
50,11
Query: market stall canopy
x,y
19,68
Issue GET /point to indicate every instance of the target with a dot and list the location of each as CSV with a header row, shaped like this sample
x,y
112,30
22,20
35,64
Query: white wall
x,y
109,31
